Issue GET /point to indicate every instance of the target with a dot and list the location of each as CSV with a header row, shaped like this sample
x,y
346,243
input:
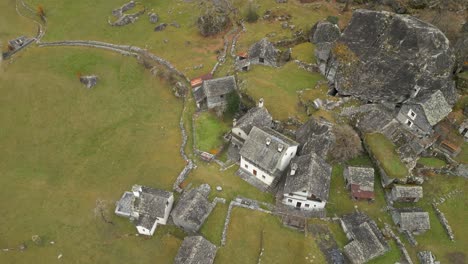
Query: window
x,y
409,123
307,205
167,203
255,172
289,200
246,166
411,114
304,191
261,60
221,96
263,177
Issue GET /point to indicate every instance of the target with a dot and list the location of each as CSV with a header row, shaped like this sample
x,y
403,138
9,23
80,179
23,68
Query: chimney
x,y
260,102
293,169
234,122
268,141
280,147
136,189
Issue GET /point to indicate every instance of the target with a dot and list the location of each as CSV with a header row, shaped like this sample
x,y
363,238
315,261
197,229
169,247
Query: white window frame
x,y
412,114
409,123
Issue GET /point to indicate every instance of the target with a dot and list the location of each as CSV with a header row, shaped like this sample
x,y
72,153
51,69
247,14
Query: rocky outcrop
x,y
382,56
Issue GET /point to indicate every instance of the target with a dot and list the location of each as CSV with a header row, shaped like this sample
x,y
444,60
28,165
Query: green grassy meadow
x,y
209,131
64,147
384,151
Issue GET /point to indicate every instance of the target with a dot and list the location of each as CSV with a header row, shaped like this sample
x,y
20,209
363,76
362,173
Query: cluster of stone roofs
x,y
147,208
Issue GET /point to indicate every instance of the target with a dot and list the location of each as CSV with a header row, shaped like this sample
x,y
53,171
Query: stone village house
x,y
213,93
366,240
360,180
412,220
146,207
262,52
307,183
265,155
406,193
196,250
192,209
421,112
256,116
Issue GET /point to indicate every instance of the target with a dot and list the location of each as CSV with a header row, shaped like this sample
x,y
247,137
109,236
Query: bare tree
x,y
347,144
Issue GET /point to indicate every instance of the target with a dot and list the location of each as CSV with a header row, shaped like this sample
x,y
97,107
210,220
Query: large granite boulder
x,y
386,57
324,31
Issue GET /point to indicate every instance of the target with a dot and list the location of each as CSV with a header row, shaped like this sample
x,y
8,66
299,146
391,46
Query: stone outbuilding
x,y
424,111
307,184
196,250
463,130
406,193
412,220
89,81
360,181
265,155
366,239
192,209
263,53
146,207
213,93
316,135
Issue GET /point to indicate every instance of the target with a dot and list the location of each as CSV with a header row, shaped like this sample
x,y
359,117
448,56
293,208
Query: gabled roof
x,y
412,219
199,94
361,180
315,136
426,257
435,106
367,240
266,156
312,174
406,191
196,250
193,207
263,49
257,116
219,86
152,202
199,80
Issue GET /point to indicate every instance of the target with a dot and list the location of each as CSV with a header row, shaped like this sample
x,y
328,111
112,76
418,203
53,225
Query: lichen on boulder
x,y
384,57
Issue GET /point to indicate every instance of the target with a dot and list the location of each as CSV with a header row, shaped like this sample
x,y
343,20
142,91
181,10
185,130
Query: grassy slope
x,y
91,24
279,86
462,157
432,162
209,131
64,147
384,151
282,245
212,229
12,25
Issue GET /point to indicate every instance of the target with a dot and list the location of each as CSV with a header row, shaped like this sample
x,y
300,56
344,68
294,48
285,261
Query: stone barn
x,y
213,93
360,180
192,209
412,220
406,193
196,250
263,53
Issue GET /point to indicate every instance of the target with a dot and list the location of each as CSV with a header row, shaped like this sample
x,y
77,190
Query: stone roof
x,y
426,257
219,86
411,219
361,180
199,94
434,105
124,205
315,136
150,205
367,240
312,174
257,116
266,156
264,49
407,191
196,250
193,208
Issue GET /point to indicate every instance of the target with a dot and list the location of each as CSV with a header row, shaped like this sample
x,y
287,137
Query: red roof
x,y
198,81
243,54
357,193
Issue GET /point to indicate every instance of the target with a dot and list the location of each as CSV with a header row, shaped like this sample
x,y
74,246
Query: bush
x,y
251,15
233,103
333,19
347,144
